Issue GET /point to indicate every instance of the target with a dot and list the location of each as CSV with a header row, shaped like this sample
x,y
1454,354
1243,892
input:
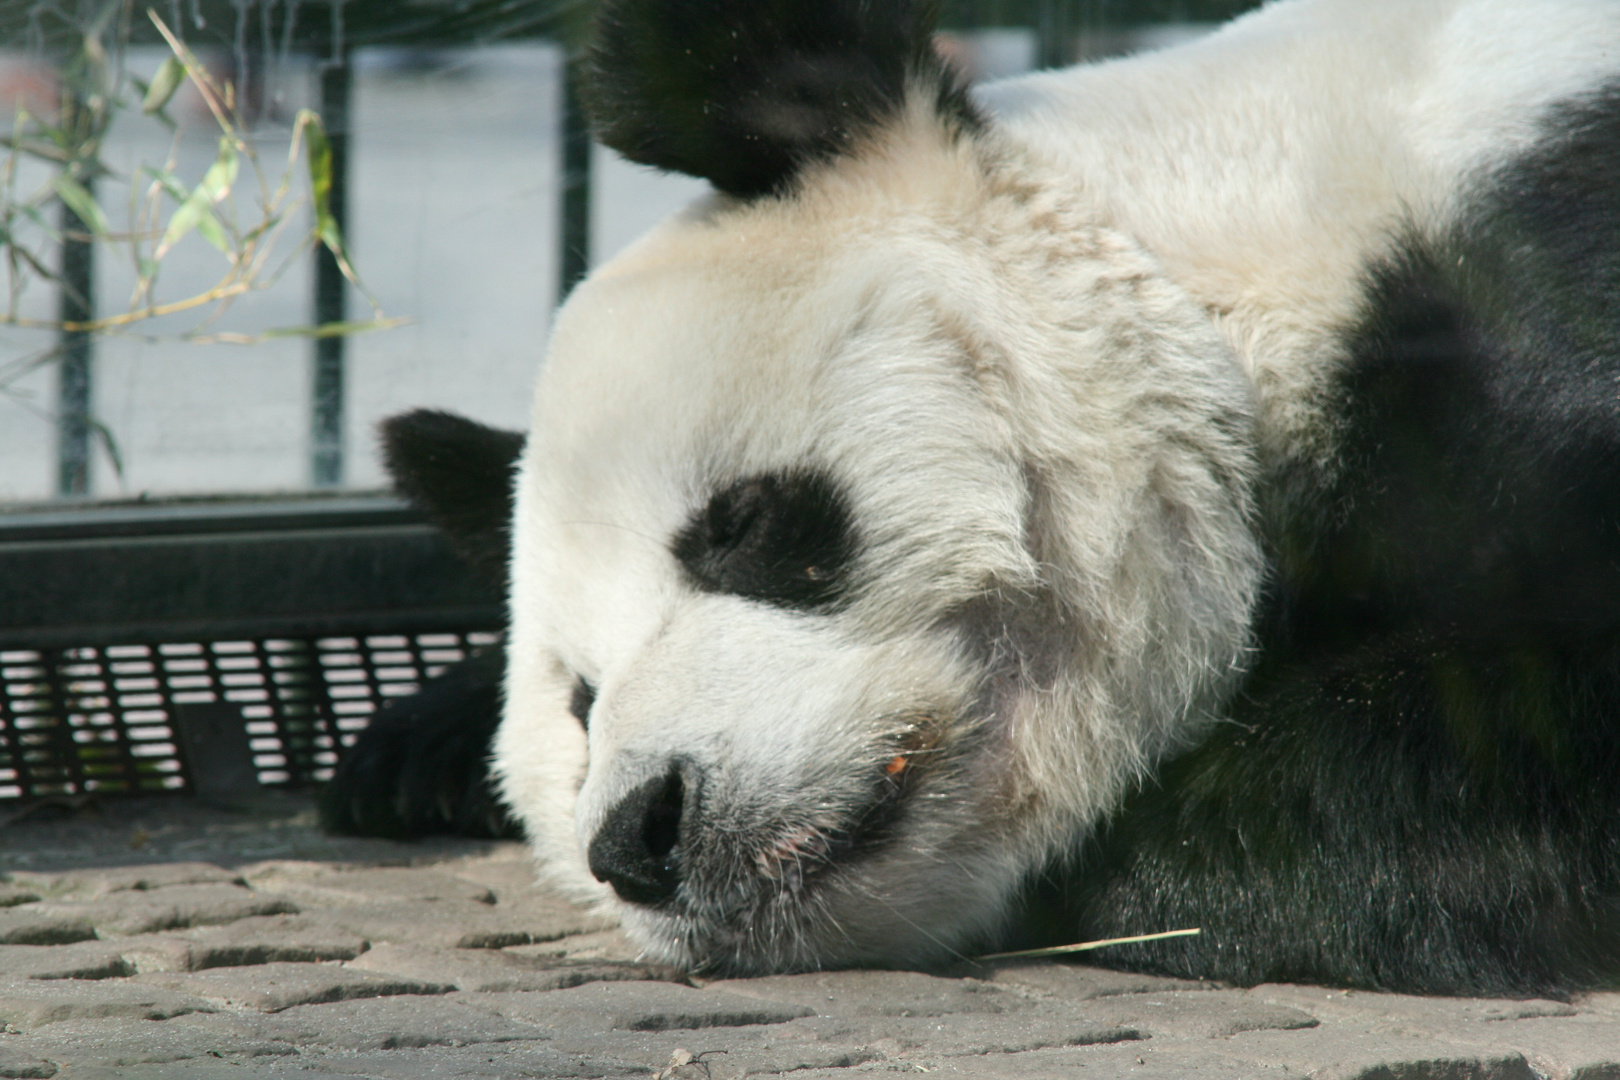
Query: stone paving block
x,y
272,987
611,944
503,1061
493,971
550,918
1561,1048
1145,1060
510,874
969,1033
391,1023
1077,982
1403,1013
728,1052
1342,1052
1196,1015
1605,1004
878,993
507,869
146,911
450,924
154,952
17,1062
29,1003
367,885
645,1006
255,940
11,895
193,1069
82,960
104,882
122,1042
27,925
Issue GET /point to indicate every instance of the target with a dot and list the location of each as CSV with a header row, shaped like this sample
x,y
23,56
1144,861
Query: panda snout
x,y
658,846
637,849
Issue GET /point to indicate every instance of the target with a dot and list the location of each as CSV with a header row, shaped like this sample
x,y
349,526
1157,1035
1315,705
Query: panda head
x,y
882,515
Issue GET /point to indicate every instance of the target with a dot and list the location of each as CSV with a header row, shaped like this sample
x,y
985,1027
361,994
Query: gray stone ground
x,y
157,938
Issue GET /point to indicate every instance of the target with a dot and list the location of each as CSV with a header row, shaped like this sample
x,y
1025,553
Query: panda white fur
x,y
1181,491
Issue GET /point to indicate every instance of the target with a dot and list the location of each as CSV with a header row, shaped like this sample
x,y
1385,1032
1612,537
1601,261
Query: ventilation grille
x,y
108,718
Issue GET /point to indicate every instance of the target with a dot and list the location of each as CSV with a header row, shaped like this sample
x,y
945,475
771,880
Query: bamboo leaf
x,y
184,220
332,238
169,182
163,85
81,202
334,329
209,228
320,183
320,161
197,212
217,181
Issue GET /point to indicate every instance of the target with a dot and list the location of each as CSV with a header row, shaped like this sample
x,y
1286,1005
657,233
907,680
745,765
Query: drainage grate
x,y
119,718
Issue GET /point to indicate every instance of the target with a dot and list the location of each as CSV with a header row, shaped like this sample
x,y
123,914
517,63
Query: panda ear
x,y
459,472
747,92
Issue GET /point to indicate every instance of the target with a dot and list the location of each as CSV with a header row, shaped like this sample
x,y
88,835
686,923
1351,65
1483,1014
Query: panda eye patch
x,y
783,538
584,696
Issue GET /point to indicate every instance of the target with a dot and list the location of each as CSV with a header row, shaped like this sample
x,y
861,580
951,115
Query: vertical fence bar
x,y
1053,33
326,465
575,254
75,304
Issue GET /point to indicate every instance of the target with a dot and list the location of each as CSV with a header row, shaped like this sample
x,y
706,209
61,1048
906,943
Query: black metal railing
x,y
150,648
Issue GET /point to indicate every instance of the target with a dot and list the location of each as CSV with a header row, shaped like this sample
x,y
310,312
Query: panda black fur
x,y
1178,492
421,765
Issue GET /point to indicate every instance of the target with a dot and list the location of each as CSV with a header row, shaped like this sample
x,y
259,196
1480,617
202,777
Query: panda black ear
x,y
746,92
459,472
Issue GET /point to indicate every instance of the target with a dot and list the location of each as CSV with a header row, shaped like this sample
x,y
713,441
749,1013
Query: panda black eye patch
x,y
782,538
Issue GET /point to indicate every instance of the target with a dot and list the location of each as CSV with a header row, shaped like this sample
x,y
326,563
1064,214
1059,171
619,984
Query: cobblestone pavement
x,y
161,939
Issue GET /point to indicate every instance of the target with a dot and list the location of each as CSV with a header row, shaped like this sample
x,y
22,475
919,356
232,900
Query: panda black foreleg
x,y
422,765
1419,814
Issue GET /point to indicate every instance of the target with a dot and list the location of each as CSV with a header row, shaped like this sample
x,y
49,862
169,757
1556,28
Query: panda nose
x,y
637,848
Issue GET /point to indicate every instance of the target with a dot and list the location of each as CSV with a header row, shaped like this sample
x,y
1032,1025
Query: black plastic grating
x,y
104,719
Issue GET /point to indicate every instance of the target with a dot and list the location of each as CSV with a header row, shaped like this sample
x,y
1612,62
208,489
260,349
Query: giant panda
x,y
1176,492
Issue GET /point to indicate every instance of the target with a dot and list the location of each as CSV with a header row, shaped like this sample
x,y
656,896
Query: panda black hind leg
x,y
1420,815
1419,787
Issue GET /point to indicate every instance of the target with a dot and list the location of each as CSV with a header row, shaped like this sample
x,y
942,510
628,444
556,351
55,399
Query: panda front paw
x,y
422,766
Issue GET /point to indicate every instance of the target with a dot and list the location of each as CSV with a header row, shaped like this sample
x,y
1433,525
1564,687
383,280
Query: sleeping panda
x,y
1177,492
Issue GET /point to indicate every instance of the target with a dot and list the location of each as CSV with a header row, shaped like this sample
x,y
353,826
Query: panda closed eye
x,y
784,538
